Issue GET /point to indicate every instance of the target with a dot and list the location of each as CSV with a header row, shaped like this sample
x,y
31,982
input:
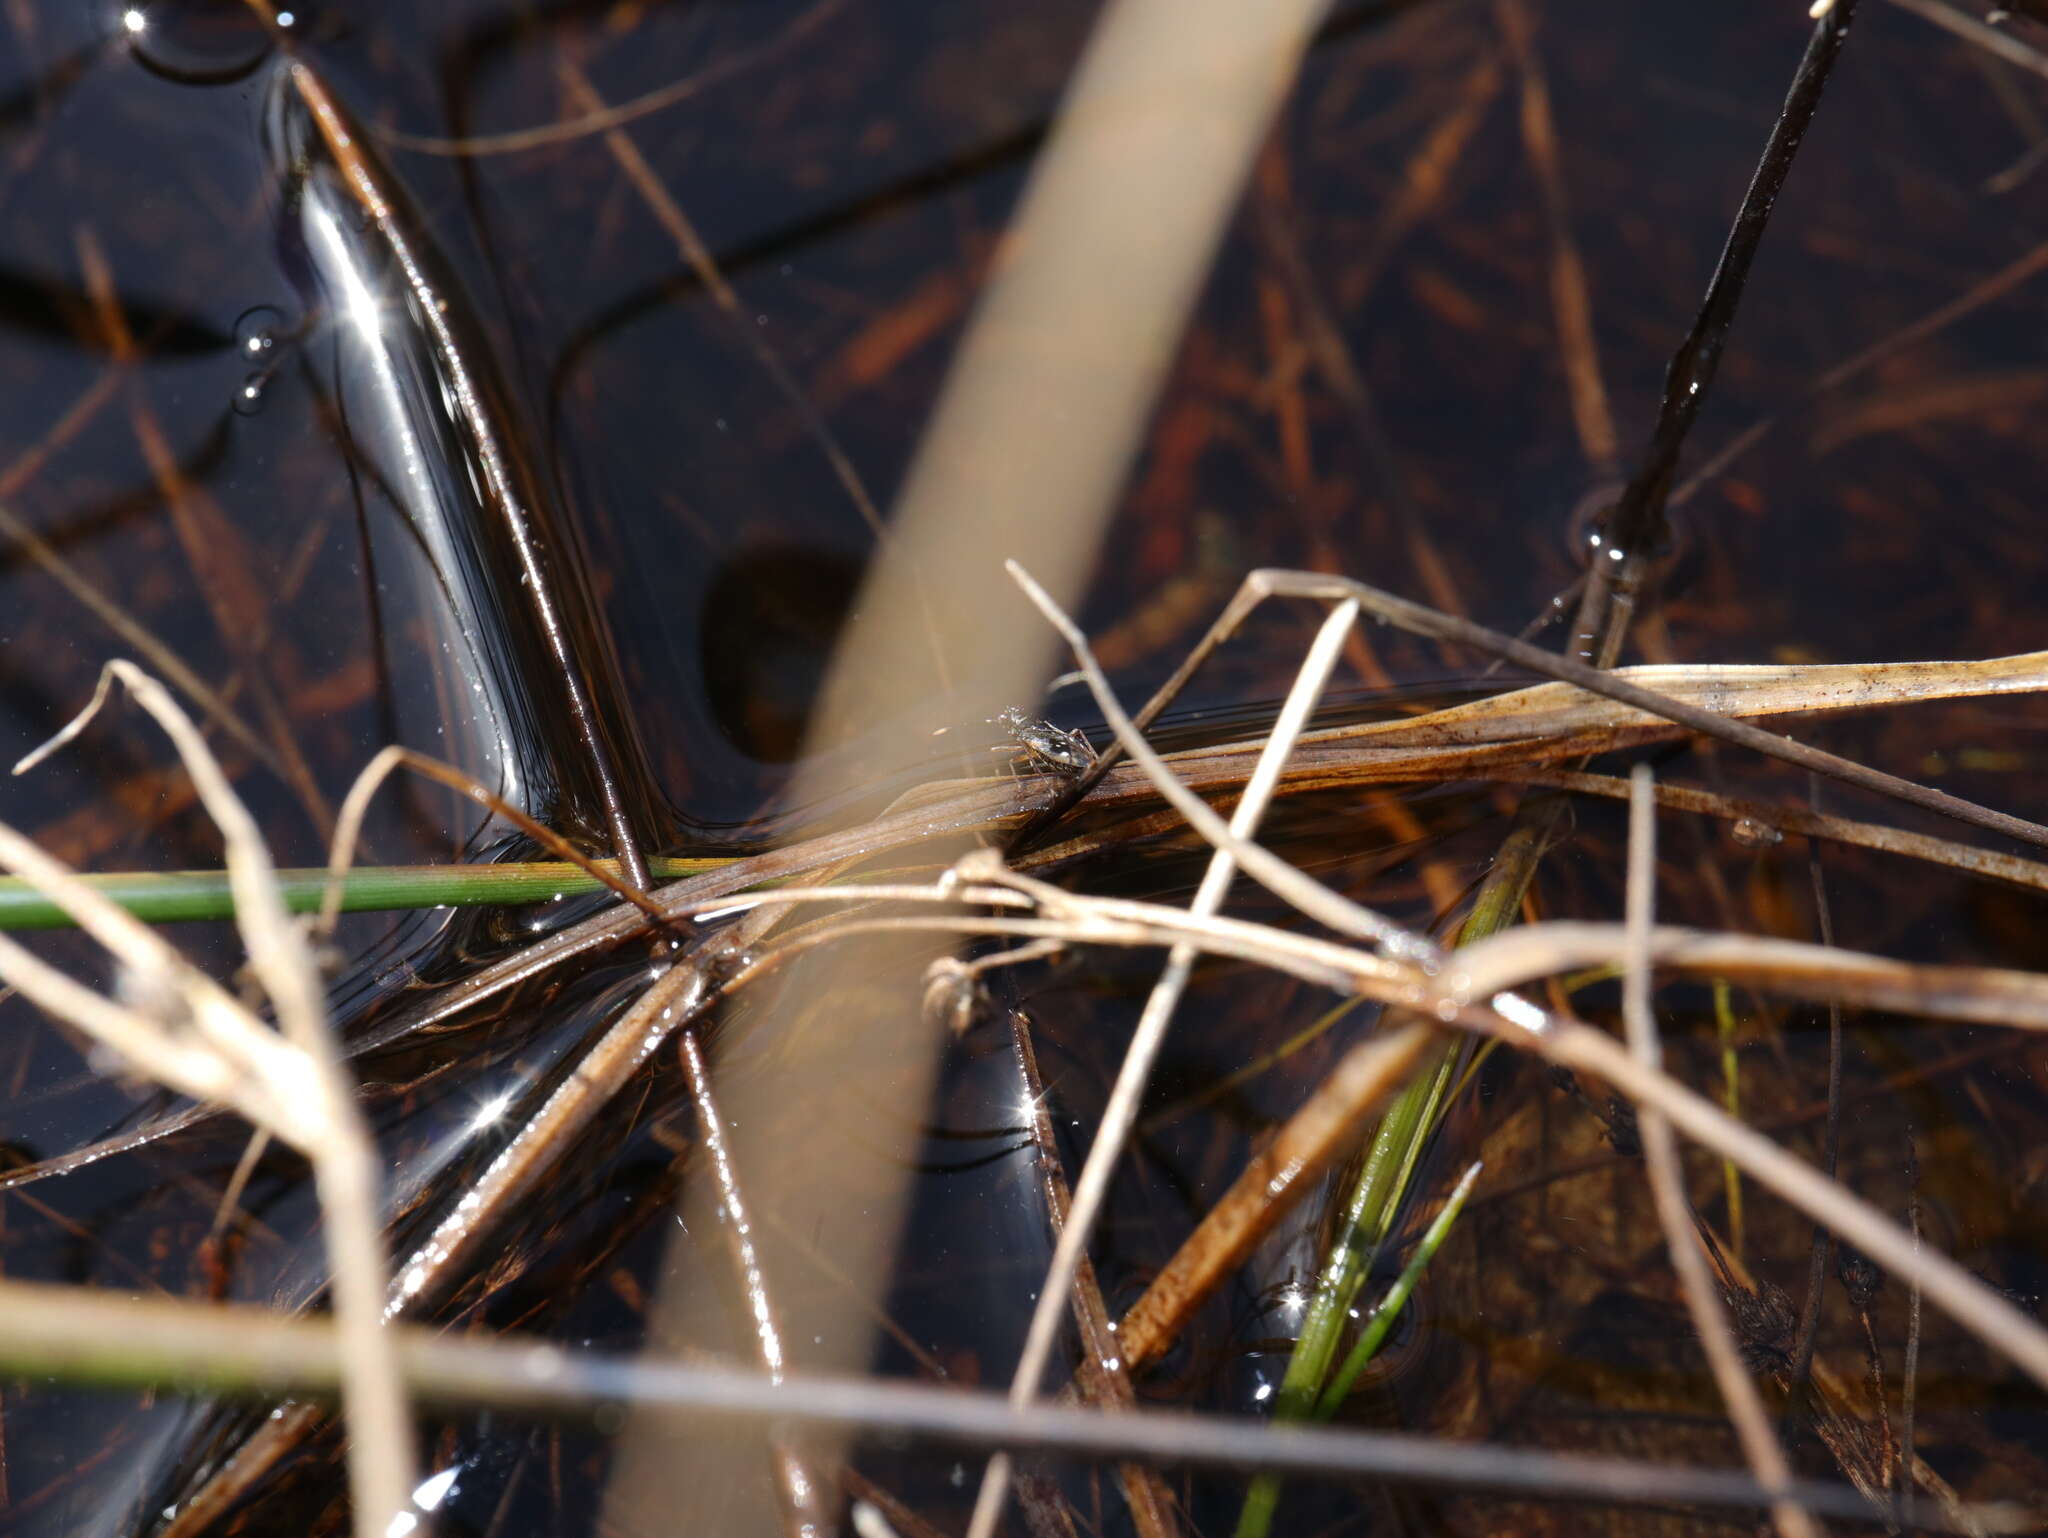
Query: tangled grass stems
x,y
1498,738
1080,919
1084,920
1120,1115
1401,976
1577,1046
183,1029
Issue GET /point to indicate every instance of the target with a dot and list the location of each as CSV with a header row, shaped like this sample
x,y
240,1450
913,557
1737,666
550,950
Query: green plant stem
x,y
162,897
1397,1147
1375,1332
1731,1080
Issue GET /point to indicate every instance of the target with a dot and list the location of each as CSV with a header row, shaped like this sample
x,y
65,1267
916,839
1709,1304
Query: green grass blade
x,y
1384,1317
163,897
1398,1144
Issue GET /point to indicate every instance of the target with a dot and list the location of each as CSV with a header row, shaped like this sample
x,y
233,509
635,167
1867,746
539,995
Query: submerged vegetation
x,y
731,1081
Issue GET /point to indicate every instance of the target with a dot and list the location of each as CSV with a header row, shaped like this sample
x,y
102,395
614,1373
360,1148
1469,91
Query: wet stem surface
x,y
1432,347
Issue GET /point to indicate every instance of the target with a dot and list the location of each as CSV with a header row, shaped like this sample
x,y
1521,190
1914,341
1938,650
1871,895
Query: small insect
x,y
1045,747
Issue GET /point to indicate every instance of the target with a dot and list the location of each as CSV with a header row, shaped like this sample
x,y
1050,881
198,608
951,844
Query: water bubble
x,y
248,397
196,42
258,332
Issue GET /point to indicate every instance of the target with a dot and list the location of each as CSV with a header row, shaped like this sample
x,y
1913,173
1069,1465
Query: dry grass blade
x,y
348,829
1667,1183
1781,819
1589,710
45,1329
1425,621
292,1086
1729,690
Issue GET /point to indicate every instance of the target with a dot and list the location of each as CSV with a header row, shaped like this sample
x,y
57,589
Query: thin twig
x,y
1104,1374
1424,621
348,828
94,1336
1831,1146
1121,1112
1282,1172
1745,1407
600,118
1983,292
1992,40
139,636
1570,295
1782,819
1909,1389
797,1486
1637,530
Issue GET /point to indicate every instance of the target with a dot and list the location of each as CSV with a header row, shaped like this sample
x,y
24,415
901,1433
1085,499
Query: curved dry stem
x,y
1760,1448
348,830
660,99
1986,995
1781,820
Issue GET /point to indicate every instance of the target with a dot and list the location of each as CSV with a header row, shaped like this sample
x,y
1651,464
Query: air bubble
x,y
248,397
196,42
258,333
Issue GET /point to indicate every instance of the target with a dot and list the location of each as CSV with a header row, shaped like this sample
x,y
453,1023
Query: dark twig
x,y
1823,1241
1636,530
1911,1386
1104,1373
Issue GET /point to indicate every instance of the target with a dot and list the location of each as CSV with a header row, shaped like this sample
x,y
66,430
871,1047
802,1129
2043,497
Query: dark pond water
x,y
226,437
